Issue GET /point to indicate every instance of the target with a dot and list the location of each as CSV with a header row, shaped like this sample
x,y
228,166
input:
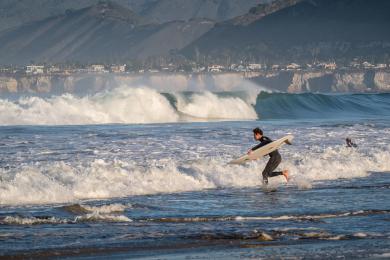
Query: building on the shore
x,y
254,66
35,69
368,65
216,68
381,66
198,69
118,68
293,66
354,64
330,66
6,70
53,69
327,65
97,68
238,68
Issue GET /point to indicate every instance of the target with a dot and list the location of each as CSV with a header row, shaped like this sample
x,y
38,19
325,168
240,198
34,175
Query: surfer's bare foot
x,y
285,174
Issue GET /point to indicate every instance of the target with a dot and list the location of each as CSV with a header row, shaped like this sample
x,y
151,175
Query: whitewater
x,y
142,173
145,105
124,105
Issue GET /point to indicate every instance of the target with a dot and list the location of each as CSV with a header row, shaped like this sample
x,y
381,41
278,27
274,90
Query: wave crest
x,y
61,183
129,105
310,105
122,105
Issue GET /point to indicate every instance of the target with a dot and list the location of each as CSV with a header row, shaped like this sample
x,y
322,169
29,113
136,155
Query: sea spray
x,y
122,105
211,106
58,182
135,105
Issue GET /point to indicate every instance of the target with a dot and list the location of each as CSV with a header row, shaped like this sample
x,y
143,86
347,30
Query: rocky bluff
x,y
357,81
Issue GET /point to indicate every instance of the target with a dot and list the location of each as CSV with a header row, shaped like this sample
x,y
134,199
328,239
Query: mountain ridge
x,y
283,31
105,32
307,31
15,13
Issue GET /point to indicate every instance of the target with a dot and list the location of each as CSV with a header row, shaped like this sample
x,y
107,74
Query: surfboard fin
x,y
288,142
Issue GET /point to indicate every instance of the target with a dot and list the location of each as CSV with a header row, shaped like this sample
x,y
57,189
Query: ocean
x,y
137,173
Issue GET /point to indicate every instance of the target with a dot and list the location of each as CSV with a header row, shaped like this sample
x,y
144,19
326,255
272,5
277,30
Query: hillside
x,y
282,31
105,32
16,13
161,11
305,31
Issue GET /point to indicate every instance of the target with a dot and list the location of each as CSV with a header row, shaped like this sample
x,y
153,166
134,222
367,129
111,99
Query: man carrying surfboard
x,y
274,157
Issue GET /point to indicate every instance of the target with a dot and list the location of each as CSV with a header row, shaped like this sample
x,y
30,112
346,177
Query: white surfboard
x,y
262,151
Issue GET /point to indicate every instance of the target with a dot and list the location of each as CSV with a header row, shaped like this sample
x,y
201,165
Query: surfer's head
x,y
257,133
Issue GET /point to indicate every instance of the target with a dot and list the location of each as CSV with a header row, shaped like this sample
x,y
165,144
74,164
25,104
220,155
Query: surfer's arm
x,y
256,147
264,142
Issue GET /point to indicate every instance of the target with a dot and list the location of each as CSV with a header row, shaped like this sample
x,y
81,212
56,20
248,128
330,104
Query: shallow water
x,y
166,191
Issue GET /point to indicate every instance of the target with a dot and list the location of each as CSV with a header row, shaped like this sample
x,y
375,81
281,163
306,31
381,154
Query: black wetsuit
x,y
273,161
350,143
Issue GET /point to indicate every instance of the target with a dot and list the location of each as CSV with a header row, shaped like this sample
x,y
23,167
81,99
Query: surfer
x,y
350,143
274,160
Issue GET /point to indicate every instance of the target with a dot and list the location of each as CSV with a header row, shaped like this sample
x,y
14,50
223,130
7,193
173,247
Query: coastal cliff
x,y
285,81
358,81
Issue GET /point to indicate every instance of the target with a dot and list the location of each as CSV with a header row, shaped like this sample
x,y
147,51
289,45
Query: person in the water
x,y
274,160
350,143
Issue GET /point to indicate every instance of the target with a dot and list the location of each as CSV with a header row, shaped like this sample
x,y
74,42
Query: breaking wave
x,y
86,213
145,105
271,218
59,182
113,216
123,105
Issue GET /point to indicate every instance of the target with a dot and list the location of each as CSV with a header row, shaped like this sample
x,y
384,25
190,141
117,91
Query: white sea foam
x,y
120,105
289,217
337,237
95,216
90,217
16,220
384,255
273,218
102,213
60,182
336,163
106,209
209,105
360,234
